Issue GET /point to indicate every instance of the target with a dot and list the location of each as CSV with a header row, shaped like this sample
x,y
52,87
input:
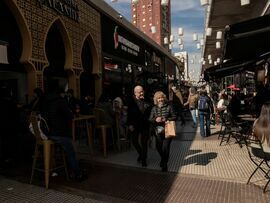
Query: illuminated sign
x,y
125,44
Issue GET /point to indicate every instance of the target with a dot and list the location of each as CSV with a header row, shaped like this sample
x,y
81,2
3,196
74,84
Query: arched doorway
x,y
12,75
55,74
87,79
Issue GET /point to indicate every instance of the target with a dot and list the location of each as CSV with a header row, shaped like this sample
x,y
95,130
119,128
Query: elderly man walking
x,y
138,123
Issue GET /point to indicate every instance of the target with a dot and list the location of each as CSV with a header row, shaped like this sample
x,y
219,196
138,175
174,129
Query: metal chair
x,y
231,129
259,157
48,154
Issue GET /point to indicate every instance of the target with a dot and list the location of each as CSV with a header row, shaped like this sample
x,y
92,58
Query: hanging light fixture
x,y
170,46
180,41
210,61
198,46
202,42
153,29
218,60
171,38
219,35
209,56
166,41
204,2
180,31
215,63
245,2
164,2
218,45
195,37
209,31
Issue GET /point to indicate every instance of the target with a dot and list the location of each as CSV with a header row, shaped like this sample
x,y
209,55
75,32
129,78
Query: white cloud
x,y
182,5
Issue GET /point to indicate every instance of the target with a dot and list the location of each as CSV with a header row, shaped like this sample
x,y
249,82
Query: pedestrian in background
x,y
178,103
206,108
192,103
138,123
160,114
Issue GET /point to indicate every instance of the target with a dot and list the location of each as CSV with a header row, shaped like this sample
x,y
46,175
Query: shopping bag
x,y
170,129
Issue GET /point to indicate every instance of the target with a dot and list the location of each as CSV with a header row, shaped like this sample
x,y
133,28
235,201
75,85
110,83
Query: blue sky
x,y
188,14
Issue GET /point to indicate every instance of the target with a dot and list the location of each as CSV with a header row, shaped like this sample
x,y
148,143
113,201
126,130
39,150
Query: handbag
x,y
170,129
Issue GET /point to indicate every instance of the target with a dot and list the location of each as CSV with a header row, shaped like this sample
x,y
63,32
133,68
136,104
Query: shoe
x,y
164,168
144,164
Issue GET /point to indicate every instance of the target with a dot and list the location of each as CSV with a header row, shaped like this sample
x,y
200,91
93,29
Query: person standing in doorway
x,y
138,123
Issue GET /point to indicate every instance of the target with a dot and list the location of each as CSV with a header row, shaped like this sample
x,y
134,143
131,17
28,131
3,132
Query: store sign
x,y
124,44
66,8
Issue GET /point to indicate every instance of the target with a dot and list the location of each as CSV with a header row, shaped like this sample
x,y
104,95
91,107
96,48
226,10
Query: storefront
x,y
50,42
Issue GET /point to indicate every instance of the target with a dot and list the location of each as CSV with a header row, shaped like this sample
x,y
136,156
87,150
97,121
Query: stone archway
x,y
59,56
24,30
90,83
15,33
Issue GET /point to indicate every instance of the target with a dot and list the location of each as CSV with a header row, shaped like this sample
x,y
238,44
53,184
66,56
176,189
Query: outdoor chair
x,y
103,128
259,157
229,128
45,149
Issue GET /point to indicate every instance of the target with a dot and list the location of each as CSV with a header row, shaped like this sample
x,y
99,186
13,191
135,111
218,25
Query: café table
x,y
86,122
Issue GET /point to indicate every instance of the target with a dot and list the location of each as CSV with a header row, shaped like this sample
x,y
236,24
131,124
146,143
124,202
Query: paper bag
x,y
170,129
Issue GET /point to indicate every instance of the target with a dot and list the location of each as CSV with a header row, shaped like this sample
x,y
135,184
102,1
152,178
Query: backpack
x,y
203,104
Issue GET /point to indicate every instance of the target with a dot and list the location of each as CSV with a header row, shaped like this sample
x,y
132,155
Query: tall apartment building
x,y
153,19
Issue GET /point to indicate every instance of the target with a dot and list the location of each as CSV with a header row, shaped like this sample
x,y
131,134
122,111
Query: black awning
x,y
226,69
247,40
232,67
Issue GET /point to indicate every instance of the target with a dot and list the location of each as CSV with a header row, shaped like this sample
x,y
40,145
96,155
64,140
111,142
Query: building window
x,y
134,22
143,12
143,25
143,19
134,16
143,6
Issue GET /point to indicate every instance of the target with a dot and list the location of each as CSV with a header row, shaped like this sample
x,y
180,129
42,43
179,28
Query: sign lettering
x,y
67,8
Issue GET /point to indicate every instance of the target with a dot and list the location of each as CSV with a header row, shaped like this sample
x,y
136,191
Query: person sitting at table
x,y
59,118
261,128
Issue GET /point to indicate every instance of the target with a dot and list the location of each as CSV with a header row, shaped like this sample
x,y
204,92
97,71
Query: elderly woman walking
x,y
160,114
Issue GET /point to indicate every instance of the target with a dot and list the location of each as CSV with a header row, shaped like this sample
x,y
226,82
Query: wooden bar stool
x,y
103,128
45,149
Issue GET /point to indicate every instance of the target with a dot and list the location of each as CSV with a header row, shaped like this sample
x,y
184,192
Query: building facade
x,y
74,44
153,19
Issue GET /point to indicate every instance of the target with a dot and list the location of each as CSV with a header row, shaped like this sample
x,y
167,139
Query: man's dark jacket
x,y
58,115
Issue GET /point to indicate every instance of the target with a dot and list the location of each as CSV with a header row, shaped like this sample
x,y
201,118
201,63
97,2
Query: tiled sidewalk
x,y
201,156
